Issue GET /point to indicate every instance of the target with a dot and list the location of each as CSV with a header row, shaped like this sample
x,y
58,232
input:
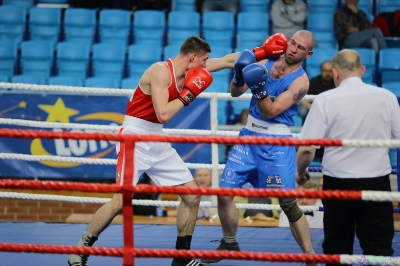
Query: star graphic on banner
x,y
58,112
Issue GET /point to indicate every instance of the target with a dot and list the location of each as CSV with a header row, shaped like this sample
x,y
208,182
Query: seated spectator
x,y
320,183
353,29
220,5
318,84
315,219
261,214
203,178
288,16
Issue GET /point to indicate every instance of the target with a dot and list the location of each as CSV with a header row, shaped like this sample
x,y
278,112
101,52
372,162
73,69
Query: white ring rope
x,y
28,196
98,161
369,260
115,92
92,127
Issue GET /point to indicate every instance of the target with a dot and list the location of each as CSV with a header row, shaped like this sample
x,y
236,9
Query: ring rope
x,y
107,128
252,206
114,92
203,254
17,133
257,193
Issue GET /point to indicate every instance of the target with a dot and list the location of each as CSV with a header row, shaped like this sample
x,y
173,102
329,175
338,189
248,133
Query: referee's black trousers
x,y
371,221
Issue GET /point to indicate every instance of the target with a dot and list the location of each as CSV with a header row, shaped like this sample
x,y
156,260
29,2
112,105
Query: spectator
x,y
353,111
261,214
315,218
203,178
288,16
243,117
318,84
320,183
353,29
220,5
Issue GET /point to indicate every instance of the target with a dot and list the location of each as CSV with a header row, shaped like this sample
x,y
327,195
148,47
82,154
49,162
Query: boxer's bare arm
x,y
160,79
284,101
227,61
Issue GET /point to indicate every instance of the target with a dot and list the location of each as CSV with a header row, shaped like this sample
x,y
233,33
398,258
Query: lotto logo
x,y
199,83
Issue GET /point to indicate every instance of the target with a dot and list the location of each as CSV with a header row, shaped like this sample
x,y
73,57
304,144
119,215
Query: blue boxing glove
x,y
256,77
245,58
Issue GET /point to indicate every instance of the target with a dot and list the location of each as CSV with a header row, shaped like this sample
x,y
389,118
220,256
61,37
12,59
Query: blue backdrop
x,y
100,110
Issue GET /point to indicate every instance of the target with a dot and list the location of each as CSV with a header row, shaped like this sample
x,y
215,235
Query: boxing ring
x,y
140,242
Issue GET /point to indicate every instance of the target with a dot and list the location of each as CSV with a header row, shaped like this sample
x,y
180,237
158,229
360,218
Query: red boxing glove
x,y
196,81
275,45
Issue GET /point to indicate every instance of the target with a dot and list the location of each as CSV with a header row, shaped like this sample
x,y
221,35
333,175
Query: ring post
x,y
127,209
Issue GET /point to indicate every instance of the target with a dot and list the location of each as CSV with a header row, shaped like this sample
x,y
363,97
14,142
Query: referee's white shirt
x,y
354,110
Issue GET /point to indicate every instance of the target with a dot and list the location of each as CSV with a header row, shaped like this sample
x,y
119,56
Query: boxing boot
x,y
87,240
223,246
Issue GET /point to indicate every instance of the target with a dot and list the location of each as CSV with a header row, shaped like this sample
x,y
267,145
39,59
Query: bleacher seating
x,y
250,32
103,82
254,6
8,57
393,87
320,24
170,51
114,26
142,56
387,6
313,63
389,65
65,81
184,5
45,24
22,3
218,28
108,60
149,27
130,83
80,25
12,23
321,6
73,59
37,58
368,60
30,79
181,25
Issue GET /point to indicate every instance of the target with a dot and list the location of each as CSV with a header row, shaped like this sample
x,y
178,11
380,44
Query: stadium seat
x,y
181,25
149,27
141,56
115,26
218,28
21,3
131,82
393,157
29,79
321,6
12,23
37,58
80,25
254,6
218,86
393,87
108,60
8,57
368,60
44,24
389,65
184,5
223,74
73,59
219,51
250,32
313,63
102,82
321,25
65,81
387,6
170,51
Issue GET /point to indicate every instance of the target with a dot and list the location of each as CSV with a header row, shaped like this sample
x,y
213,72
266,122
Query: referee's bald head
x,y
348,62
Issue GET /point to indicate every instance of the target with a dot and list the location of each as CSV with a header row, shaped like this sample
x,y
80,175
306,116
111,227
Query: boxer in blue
x,y
277,81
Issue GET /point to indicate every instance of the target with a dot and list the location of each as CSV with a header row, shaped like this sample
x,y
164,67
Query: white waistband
x,y
261,126
141,126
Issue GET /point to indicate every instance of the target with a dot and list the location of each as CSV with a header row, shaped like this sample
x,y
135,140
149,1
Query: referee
x,y
353,110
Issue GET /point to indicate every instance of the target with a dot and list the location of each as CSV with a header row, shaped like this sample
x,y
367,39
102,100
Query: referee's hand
x,y
302,178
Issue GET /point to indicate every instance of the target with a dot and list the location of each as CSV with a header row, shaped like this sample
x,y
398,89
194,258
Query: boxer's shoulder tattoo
x,y
300,94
